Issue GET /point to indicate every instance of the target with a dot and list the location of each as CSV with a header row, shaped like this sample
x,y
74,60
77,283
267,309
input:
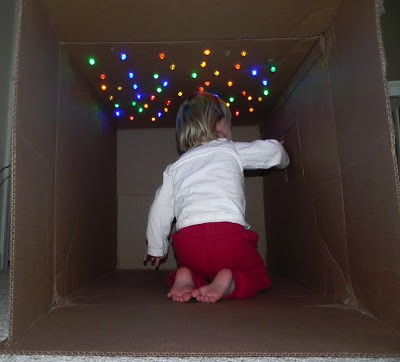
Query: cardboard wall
x,y
143,155
64,219
340,196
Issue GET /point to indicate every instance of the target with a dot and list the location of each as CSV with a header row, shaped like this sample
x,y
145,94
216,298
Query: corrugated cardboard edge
x,y
207,355
13,168
378,11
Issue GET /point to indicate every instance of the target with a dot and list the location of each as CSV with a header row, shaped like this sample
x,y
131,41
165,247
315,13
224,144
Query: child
x,y
204,190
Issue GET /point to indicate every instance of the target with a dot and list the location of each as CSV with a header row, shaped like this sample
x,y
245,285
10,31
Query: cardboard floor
x,y
127,312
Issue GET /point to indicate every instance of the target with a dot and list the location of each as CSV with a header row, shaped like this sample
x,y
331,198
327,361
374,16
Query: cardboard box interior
x,y
81,189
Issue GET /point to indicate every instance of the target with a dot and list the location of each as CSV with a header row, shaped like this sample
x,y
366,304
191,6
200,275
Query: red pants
x,y
207,248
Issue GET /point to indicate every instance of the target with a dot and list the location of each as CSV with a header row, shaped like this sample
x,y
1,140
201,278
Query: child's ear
x,y
220,126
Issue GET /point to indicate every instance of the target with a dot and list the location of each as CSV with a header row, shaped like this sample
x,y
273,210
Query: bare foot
x,y
183,286
223,284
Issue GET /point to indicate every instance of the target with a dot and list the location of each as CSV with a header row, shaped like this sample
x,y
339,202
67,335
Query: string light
x,y
161,56
159,114
217,73
180,94
118,113
159,90
140,110
249,98
146,105
165,109
207,83
203,64
231,99
103,87
135,86
201,89
116,105
230,83
243,53
254,72
123,56
131,118
244,94
194,75
207,52
119,88
133,104
228,104
251,110
266,92
172,66
92,61
139,96
165,83
264,82
102,76
168,103
153,119
110,98
153,97
155,76
260,99
237,66
237,113
130,75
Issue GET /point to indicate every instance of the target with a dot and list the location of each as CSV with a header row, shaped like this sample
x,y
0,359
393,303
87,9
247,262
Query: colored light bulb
x,y
159,90
92,61
203,64
244,94
260,99
146,105
130,75
153,97
228,104
180,94
119,88
161,56
237,66
117,113
102,76
265,82
266,92
153,119
237,113
116,105
159,114
207,52
172,66
254,72
131,118
251,110
194,75
165,84
155,76
140,110
243,53
139,96
133,104
272,69
135,86
110,98
217,73
249,98
103,87
168,103
207,83
165,109
123,56
231,99
230,83
201,89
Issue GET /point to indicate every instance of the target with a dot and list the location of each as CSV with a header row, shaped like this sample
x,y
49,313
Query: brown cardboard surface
x,y
128,313
339,196
85,203
34,130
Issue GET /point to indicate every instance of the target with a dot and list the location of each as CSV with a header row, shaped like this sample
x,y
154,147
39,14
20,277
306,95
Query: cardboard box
x,y
331,219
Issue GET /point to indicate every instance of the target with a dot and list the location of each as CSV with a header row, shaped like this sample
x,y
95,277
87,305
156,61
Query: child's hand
x,y
155,260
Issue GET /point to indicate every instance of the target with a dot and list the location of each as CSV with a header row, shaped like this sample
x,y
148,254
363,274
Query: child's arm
x,y
262,154
159,223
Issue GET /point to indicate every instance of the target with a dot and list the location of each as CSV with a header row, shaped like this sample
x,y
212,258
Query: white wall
x,y
7,46
139,173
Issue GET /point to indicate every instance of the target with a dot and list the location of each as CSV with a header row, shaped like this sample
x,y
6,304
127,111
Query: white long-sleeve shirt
x,y
206,184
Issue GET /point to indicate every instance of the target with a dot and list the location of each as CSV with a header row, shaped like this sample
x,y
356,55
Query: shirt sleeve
x,y
262,154
160,218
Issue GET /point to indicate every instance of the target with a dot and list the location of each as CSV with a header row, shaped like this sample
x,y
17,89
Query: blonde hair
x,y
197,118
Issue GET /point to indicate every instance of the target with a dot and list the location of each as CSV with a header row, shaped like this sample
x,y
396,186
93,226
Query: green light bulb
x,y
194,75
159,89
155,76
134,104
231,99
140,110
116,105
92,61
266,92
272,69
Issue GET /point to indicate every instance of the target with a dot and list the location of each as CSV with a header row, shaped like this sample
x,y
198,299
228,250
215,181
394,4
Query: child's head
x,y
201,118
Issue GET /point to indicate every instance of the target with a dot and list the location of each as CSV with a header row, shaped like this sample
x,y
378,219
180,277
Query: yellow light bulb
x,y
110,98
172,66
203,64
119,88
153,119
103,87
207,52
243,53
216,72
260,99
180,94
251,110
230,84
249,98
165,109
228,104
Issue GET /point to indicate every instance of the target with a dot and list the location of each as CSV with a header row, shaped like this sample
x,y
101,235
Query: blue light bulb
x,y
165,83
139,96
117,113
135,86
159,114
123,56
254,72
265,82
130,75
